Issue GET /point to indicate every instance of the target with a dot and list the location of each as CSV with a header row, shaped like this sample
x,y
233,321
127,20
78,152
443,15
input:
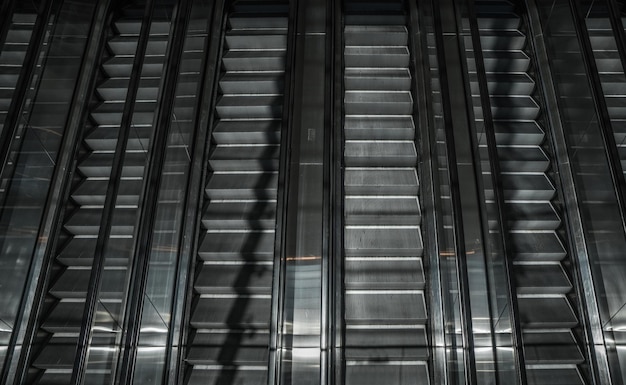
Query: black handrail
x,y
604,119
278,274
498,192
149,204
462,270
38,277
430,193
95,278
183,292
22,87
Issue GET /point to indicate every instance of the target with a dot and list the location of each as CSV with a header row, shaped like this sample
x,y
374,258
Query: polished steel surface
x,y
545,293
229,340
385,312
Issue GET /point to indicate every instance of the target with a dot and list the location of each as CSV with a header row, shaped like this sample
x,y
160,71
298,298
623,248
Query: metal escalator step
x,y
551,348
613,84
376,18
80,251
115,89
541,279
400,354
122,66
384,273
497,22
245,21
232,312
93,192
256,40
363,6
254,61
530,215
510,107
363,342
251,246
503,40
504,84
248,131
616,107
104,138
519,159
57,356
99,164
393,372
260,9
362,241
375,35
385,307
66,317
381,210
262,185
240,215
374,181
537,246
564,375
250,106
385,57
73,283
56,377
397,79
546,312
227,375
252,83
515,132
501,61
371,127
132,27
228,338
237,355
535,187
12,56
86,221
111,113
18,35
378,103
245,158
235,278
603,41
380,153
127,46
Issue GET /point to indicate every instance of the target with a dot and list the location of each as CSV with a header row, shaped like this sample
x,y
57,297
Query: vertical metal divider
x,y
429,188
183,291
336,179
596,349
38,273
604,119
93,291
278,281
150,194
466,313
12,121
329,200
498,191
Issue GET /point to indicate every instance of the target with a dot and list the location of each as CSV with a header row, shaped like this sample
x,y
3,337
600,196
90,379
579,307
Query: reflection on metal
x,y
317,208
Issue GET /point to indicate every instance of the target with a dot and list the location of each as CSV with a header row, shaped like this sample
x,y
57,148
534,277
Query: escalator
x,y
12,56
385,312
230,315
541,266
62,315
611,72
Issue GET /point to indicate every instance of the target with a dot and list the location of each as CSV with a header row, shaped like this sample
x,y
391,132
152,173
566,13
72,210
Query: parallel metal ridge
x,y
385,312
545,295
230,316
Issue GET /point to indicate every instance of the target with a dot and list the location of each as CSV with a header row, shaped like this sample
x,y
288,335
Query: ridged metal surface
x,y
540,259
385,313
230,317
61,322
